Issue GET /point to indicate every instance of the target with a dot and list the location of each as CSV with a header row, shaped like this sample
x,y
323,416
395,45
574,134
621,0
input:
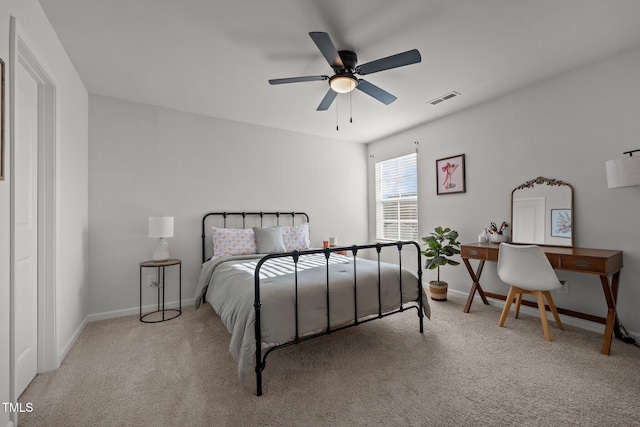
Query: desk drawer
x,y
475,253
487,254
554,259
578,263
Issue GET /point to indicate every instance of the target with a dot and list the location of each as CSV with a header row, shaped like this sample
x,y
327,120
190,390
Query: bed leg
x,y
259,383
257,304
420,289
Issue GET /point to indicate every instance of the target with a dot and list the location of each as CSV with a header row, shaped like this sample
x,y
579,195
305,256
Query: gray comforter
x,y
228,284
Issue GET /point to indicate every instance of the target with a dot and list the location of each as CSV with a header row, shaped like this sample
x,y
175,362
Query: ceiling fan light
x,y
343,84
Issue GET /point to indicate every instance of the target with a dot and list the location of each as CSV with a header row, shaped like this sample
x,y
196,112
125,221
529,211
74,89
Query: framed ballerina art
x,y
450,175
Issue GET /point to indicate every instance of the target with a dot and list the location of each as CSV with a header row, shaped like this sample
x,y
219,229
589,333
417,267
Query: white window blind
x,y
397,198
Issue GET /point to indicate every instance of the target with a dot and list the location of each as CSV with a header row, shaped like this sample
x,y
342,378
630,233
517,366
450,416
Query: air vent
x,y
444,98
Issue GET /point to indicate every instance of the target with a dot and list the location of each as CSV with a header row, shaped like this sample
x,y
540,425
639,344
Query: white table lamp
x,y
161,227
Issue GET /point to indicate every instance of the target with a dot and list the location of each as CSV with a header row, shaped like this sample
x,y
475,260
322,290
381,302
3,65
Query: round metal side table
x,y
167,313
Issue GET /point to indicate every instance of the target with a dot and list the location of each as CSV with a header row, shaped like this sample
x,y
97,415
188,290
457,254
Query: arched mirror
x,y
542,213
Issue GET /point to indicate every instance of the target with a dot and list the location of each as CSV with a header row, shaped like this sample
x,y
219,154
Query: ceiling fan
x,y
344,64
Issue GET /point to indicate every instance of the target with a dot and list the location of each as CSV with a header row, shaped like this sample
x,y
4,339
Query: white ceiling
x,y
214,57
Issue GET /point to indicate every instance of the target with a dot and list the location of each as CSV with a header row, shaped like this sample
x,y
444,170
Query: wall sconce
x,y
161,227
624,172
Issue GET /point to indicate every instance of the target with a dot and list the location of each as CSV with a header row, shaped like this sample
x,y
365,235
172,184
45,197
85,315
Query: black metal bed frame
x,y
261,359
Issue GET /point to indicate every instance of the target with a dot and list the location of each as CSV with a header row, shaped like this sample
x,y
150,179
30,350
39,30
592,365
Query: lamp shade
x,y
624,172
161,226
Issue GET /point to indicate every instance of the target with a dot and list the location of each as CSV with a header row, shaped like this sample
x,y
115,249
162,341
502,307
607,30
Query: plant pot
x,y
438,290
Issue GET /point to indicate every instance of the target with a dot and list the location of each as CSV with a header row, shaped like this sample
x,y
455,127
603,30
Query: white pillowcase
x,y
269,240
296,237
233,241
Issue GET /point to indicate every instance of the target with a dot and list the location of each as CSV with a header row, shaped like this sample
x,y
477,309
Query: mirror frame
x,y
550,182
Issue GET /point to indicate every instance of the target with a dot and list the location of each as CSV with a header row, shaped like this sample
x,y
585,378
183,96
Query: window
x,y
397,198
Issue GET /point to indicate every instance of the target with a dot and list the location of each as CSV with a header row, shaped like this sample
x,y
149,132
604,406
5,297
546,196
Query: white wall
x,y
147,161
72,182
564,128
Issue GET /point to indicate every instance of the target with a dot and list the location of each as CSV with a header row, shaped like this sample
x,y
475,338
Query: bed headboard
x,y
245,220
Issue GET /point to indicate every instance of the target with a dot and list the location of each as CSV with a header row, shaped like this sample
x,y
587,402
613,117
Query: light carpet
x,y
463,371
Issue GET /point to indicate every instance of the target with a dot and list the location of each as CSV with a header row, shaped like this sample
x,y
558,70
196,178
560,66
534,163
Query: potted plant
x,y
441,244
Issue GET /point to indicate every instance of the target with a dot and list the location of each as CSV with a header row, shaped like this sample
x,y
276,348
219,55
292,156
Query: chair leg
x,y
507,306
518,303
552,306
543,314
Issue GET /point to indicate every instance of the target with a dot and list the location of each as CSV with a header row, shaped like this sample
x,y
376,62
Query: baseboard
x,y
65,350
108,315
532,311
136,310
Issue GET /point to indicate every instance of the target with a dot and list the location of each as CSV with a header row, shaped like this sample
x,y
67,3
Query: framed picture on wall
x,y
561,223
1,120
450,175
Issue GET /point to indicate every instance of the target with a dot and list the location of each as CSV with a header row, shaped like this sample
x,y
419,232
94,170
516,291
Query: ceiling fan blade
x,y
374,91
297,79
328,50
327,100
394,61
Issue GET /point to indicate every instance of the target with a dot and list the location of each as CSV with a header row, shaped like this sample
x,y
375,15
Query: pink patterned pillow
x,y
233,241
296,237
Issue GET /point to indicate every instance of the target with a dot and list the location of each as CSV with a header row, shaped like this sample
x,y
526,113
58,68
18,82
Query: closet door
x,y
26,228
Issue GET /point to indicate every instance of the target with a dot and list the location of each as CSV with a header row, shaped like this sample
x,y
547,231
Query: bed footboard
x,y
260,358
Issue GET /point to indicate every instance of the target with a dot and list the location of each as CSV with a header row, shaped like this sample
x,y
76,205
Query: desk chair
x,y
528,271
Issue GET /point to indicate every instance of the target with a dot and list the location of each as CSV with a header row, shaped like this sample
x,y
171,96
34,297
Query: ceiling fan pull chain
x,y
350,109
337,103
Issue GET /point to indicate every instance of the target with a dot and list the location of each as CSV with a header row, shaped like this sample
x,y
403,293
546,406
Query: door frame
x,y
47,206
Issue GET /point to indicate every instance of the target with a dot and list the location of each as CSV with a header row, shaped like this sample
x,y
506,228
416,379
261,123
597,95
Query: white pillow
x,y
296,237
269,240
233,241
